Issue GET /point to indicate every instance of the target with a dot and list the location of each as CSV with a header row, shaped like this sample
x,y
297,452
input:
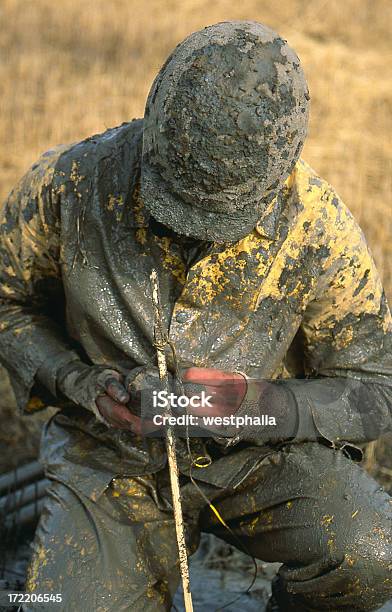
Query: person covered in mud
x,y
272,303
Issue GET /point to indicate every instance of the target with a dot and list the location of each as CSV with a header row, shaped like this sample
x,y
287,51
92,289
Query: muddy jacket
x,y
298,298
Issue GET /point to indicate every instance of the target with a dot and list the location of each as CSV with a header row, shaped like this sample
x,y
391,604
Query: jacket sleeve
x,y
31,295
347,340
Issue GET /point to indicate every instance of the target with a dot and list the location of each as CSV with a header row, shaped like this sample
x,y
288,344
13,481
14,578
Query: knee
x,y
354,575
365,572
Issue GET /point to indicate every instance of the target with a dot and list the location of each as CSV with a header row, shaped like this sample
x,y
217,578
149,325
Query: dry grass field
x,y
75,67
72,68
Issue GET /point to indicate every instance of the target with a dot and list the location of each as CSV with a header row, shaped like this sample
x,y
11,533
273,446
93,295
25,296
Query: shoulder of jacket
x,y
307,181
316,197
81,157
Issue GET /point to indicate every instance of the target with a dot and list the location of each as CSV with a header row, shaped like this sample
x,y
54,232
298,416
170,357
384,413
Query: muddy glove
x,y
115,398
237,401
272,403
141,383
98,389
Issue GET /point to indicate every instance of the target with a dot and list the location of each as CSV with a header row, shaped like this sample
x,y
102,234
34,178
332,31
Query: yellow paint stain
x,y
326,520
114,202
39,560
138,209
210,276
331,545
253,523
266,517
171,260
289,505
354,514
9,270
141,236
34,404
344,337
6,290
75,176
210,281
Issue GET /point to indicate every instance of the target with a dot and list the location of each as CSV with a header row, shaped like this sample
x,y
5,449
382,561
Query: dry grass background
x,y
72,68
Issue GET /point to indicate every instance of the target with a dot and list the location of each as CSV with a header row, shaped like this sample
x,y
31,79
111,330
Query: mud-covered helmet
x,y
225,122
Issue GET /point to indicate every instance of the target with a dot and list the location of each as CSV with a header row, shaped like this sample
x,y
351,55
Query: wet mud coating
x,y
295,298
298,295
329,526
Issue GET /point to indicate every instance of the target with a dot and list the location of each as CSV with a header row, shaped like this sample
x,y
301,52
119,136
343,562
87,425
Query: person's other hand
x,y
99,389
225,389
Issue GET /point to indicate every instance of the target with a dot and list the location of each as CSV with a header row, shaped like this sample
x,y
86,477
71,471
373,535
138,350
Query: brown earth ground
x,y
71,68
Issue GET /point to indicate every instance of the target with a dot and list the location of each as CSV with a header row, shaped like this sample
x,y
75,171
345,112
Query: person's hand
x,y
226,390
124,411
233,394
98,389
112,402
121,404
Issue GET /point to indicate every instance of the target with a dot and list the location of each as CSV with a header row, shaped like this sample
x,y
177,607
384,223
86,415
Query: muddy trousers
x,y
306,506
